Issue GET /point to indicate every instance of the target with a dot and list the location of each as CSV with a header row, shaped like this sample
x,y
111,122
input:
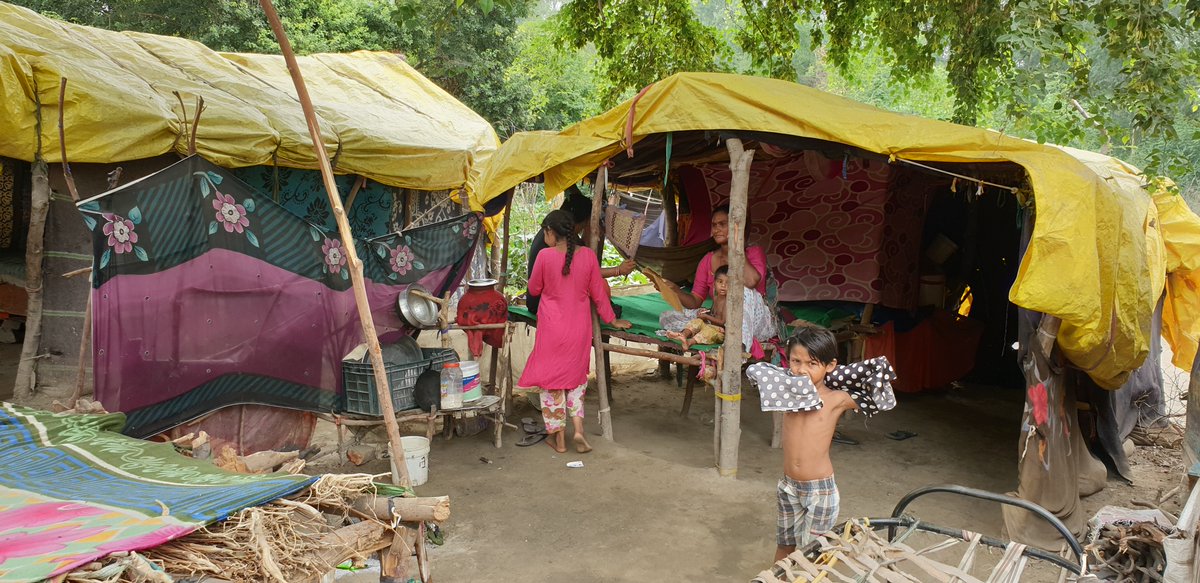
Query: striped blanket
x,y
73,490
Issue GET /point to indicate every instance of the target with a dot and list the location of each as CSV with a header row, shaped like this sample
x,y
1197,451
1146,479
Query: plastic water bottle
x,y
452,387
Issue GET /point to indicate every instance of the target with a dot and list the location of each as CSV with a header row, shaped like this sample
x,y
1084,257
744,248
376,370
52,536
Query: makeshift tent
x,y
842,196
400,143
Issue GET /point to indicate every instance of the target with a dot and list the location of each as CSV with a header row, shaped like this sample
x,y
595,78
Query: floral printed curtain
x,y
208,294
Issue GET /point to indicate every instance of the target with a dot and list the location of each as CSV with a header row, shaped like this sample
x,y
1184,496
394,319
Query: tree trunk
x,y
34,252
731,381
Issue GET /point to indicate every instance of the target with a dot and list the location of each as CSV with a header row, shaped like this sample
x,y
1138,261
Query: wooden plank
x,y
731,381
663,356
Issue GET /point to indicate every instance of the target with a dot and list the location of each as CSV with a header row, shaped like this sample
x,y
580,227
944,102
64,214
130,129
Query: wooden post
x,y
410,207
672,216
34,253
1191,447
501,271
731,374
596,240
383,390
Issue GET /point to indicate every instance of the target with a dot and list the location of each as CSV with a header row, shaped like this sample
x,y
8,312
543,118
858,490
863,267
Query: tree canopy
x,y
1115,75
1124,70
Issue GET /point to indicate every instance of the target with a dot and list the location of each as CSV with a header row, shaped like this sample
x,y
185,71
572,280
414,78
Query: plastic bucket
x,y
932,291
416,457
472,388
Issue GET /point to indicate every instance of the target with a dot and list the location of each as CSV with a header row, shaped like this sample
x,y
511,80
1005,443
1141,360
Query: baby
x,y
708,327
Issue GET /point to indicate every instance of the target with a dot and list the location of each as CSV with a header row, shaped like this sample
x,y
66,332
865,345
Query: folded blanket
x,y
868,382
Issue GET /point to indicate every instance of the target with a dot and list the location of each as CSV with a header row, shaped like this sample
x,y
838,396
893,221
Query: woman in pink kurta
x,y
567,277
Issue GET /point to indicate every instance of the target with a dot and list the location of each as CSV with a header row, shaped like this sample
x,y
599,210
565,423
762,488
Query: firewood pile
x,y
1128,553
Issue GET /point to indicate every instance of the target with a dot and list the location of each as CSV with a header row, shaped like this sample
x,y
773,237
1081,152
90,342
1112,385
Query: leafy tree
x,y
561,80
467,51
1117,68
642,41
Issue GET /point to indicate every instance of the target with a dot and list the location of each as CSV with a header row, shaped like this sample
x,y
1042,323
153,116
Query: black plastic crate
x,y
358,381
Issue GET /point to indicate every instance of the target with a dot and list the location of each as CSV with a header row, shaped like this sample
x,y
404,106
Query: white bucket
x,y
472,387
932,291
416,457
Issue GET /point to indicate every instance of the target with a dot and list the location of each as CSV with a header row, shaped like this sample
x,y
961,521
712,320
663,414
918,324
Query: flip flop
x,y
531,439
901,435
530,426
842,439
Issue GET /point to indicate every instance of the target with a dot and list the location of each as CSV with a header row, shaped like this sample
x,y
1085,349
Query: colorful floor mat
x,y
73,489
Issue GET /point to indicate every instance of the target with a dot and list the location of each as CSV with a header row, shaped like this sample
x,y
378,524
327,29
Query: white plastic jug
x,y
452,386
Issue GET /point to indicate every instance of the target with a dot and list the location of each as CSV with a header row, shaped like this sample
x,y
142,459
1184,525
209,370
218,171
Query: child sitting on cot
x,y
708,326
807,494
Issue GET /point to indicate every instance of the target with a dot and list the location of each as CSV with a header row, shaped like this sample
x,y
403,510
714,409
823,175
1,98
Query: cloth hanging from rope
x,y
208,294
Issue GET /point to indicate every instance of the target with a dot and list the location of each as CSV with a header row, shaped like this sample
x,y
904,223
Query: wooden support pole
x,y
596,242
501,271
1191,444
34,253
399,468
504,246
731,379
672,215
410,207
358,184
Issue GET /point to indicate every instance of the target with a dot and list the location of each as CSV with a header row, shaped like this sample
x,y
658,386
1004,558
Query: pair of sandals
x,y
535,433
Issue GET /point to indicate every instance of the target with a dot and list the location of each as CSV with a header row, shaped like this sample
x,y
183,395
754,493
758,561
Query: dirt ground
x,y
650,506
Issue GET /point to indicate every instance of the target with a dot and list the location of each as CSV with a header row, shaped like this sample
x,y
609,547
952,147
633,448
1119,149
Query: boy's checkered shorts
x,y
806,509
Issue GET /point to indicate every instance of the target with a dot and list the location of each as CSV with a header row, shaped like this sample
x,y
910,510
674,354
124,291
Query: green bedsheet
x,y
643,310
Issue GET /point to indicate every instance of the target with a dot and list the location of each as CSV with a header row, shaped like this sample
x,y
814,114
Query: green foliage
x,y
561,81
467,52
642,41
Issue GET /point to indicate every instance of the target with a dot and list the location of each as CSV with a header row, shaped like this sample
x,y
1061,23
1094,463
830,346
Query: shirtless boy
x,y
808,496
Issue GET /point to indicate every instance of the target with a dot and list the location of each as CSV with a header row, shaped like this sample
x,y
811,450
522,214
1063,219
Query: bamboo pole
x,y
383,390
731,381
596,240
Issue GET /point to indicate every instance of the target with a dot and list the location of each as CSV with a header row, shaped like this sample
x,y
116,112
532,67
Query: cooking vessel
x,y
417,311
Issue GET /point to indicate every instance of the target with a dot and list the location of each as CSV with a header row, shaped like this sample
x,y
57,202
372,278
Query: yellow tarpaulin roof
x,y
1102,247
382,118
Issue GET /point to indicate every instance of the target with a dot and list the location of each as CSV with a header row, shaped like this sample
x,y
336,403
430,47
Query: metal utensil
x,y
415,307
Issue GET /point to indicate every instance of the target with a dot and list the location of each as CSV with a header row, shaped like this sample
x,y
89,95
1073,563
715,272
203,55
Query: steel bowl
x,y
417,311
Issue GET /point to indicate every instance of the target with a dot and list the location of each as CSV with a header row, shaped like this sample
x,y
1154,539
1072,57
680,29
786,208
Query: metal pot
x,y
482,284
417,311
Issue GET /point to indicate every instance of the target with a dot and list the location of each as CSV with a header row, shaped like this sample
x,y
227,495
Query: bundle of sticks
x,y
1129,553
856,552
339,518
